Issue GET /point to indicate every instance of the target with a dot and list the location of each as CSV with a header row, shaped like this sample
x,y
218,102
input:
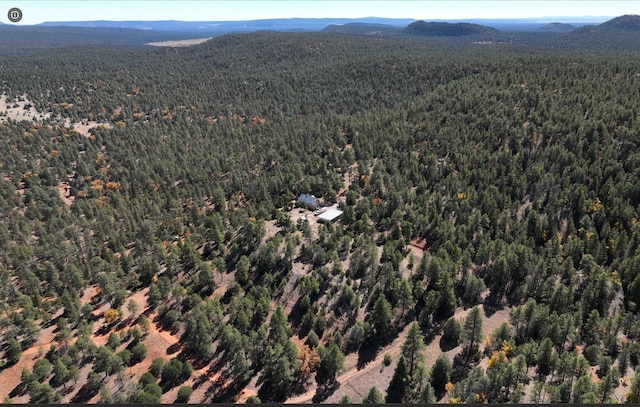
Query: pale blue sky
x,y
35,11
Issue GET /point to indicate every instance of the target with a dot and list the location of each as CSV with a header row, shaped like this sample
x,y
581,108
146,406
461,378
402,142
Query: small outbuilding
x,y
329,215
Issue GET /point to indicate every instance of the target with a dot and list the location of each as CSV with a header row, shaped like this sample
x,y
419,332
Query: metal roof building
x,y
329,216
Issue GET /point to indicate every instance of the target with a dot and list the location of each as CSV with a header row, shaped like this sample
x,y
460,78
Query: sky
x,y
38,11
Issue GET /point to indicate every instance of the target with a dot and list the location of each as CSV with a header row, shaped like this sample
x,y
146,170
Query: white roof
x,y
329,216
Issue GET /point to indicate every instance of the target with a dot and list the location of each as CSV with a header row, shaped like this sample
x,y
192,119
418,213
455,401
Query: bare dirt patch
x,y
64,189
22,109
270,230
85,126
302,213
19,109
11,377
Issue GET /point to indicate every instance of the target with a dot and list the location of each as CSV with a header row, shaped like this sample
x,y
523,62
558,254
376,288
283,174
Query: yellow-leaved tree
x,y
111,315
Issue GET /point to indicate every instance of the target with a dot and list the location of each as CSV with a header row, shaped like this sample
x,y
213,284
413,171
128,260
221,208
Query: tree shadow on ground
x,y
103,330
446,345
222,391
84,394
173,348
227,296
125,323
8,364
268,394
199,381
492,304
65,390
52,322
197,363
366,354
218,363
370,348
295,318
324,391
19,390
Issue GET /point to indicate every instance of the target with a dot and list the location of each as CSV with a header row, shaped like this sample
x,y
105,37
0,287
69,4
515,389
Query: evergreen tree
x,y
279,370
13,352
412,348
546,357
373,396
42,393
61,373
278,329
184,393
241,367
331,363
582,386
380,317
399,382
198,330
472,333
428,395
441,374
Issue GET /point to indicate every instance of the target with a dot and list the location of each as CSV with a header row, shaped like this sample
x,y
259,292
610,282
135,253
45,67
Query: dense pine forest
x,y
152,249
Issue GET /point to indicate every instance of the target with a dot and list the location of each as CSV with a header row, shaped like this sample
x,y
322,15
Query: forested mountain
x,y
151,247
627,23
17,40
437,29
557,27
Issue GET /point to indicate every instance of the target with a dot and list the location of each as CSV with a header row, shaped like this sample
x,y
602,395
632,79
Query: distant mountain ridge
x,y
362,29
437,29
628,22
279,24
616,33
316,24
557,28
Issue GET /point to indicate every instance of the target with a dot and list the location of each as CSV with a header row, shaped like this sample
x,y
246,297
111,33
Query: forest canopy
x,y
155,189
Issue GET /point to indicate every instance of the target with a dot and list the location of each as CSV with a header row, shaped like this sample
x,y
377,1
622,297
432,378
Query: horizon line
x,y
335,18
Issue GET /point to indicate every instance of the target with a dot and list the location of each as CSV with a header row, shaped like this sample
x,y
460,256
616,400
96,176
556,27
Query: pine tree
x,y
198,330
546,357
279,370
441,373
582,386
412,348
331,363
428,395
241,367
278,328
380,317
13,352
373,396
399,382
472,333
405,294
